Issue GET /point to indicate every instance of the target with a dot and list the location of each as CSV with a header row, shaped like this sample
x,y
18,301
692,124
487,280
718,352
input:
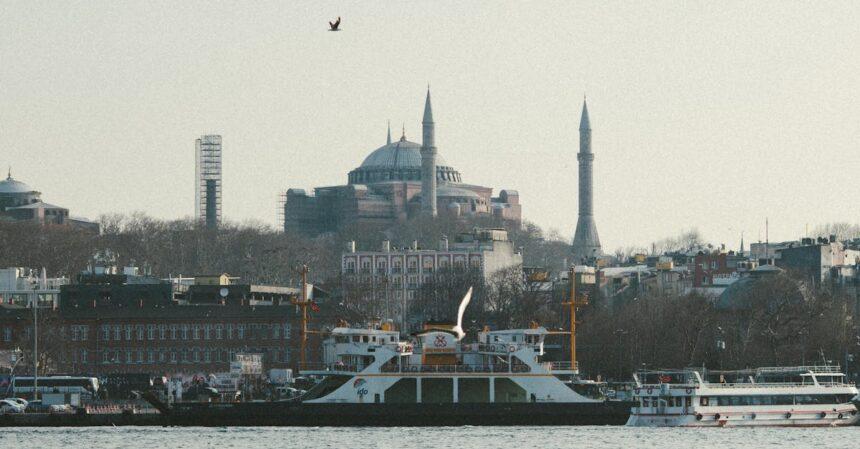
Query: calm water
x,y
459,438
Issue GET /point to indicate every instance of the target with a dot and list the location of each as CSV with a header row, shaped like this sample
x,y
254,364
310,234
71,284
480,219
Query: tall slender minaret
x,y
428,161
586,243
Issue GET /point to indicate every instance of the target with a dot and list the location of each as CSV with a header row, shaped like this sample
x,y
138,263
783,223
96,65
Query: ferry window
x,y
646,401
783,400
356,339
724,400
391,339
364,338
688,401
703,400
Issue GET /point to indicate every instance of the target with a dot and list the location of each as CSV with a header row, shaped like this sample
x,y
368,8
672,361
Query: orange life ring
x,y
512,348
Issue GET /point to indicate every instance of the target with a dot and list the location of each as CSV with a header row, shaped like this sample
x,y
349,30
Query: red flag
x,y
315,307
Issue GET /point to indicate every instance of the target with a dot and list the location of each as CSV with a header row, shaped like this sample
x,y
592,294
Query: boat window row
x,y
364,339
805,399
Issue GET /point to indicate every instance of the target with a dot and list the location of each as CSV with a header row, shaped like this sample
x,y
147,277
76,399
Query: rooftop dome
x,y
399,161
10,185
399,154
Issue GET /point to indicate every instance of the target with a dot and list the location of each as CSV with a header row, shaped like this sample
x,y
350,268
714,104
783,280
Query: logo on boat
x,y
440,342
359,386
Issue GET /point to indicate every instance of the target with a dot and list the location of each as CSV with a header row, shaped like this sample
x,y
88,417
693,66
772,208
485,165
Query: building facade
x,y
207,206
123,323
396,275
393,183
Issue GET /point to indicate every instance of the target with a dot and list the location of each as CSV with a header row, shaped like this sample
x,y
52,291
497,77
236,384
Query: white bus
x,y
86,387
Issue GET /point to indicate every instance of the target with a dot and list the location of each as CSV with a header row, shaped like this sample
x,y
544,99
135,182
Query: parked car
x,y
11,406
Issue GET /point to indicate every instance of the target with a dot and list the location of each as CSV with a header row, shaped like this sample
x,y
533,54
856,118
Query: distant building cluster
x,y
723,274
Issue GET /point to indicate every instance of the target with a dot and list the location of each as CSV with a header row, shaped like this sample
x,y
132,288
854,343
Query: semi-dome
x,y
399,161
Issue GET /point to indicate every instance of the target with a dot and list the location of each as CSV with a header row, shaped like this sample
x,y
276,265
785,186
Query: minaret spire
x,y
428,160
586,243
388,142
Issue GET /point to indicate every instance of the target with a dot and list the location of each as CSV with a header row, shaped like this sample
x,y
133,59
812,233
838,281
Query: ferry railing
x,y
747,385
335,367
466,368
561,366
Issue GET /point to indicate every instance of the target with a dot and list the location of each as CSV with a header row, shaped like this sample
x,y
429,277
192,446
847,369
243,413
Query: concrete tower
x,y
586,244
428,161
208,176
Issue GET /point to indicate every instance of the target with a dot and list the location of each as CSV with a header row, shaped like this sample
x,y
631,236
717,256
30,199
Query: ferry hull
x,y
816,419
398,415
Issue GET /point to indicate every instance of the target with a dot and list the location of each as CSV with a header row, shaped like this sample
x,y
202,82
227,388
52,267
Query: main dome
x,y
10,185
399,154
398,161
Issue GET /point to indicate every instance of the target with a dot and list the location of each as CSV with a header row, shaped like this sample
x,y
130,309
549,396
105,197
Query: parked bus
x,y
86,387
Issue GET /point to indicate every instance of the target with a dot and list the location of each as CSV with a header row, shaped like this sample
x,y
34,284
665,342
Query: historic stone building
x,y
390,186
20,202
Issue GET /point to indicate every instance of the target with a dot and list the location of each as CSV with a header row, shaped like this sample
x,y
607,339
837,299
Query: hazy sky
x,y
705,114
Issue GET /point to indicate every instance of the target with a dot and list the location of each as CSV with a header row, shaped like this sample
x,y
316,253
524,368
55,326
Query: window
x,y
117,356
162,355
85,332
185,354
230,331
117,332
276,331
172,356
74,332
151,356
7,334
240,331
139,328
197,332
219,331
105,332
150,331
196,355
207,356
128,331
139,356
84,356
185,332
174,331
106,355
129,357
162,331
286,331
207,331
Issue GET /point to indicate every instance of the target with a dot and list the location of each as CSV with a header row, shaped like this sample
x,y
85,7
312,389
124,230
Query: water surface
x,y
426,437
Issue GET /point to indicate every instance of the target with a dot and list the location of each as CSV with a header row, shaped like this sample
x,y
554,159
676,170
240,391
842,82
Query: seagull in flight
x,y
334,25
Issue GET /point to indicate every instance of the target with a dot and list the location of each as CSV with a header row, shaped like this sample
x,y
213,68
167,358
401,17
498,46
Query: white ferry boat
x,y
779,396
371,377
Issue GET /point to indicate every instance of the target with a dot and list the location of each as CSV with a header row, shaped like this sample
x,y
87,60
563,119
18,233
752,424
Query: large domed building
x,y
390,186
20,202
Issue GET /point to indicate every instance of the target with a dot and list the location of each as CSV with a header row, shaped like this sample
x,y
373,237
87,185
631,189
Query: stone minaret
x,y
428,162
586,244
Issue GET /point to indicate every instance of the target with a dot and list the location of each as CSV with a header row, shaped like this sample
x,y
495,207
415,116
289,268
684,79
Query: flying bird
x,y
458,329
334,25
